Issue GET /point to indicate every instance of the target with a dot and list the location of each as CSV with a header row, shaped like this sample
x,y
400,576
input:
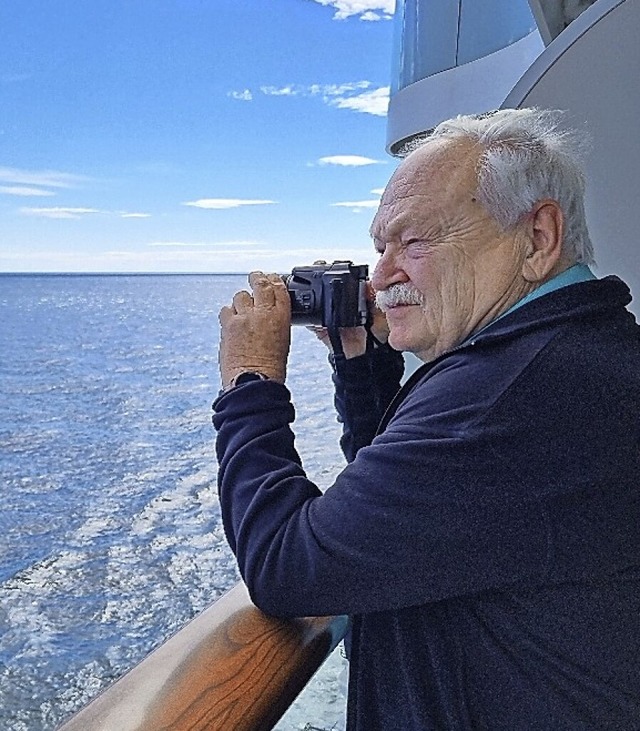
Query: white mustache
x,y
398,294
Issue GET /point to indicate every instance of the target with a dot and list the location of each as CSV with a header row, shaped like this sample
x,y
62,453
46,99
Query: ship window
x,y
426,39
436,35
487,26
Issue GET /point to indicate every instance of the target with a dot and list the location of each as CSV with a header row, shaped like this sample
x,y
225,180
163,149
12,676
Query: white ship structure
x,y
582,56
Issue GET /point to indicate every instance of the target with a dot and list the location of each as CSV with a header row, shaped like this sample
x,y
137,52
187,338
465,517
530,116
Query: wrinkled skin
x,y
255,330
433,234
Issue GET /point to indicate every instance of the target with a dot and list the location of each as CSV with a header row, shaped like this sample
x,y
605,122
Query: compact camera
x,y
331,295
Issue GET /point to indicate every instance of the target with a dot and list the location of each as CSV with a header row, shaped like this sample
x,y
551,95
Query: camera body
x,y
330,295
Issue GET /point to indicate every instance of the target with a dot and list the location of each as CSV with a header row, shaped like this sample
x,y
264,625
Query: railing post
x,y
231,668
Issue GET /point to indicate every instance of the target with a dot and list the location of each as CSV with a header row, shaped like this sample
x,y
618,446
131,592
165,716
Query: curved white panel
x,y
478,86
592,70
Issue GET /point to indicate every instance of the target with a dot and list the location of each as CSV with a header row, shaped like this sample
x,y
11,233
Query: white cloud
x,y
374,102
324,90
59,212
245,95
348,160
356,95
364,8
328,90
223,203
41,178
23,190
290,90
76,212
358,205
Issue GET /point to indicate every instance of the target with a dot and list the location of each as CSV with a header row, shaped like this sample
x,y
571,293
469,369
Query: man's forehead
x,y
441,157
433,172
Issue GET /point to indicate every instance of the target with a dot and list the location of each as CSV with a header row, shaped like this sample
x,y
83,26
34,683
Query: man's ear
x,y
545,235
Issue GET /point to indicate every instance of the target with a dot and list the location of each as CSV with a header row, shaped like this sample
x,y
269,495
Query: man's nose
x,y
387,271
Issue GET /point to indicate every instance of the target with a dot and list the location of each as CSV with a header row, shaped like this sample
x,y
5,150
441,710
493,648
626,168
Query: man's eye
x,y
379,249
417,247
425,242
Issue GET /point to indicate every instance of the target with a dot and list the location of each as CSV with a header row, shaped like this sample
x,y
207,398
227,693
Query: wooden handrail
x,y
231,668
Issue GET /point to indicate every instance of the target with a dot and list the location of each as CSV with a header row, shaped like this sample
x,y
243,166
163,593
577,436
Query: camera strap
x,y
336,343
372,340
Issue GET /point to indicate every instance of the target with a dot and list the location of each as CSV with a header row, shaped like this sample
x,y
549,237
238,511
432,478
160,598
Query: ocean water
x,y
110,531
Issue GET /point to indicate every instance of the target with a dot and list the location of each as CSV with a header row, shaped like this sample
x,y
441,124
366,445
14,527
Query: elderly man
x,y
486,541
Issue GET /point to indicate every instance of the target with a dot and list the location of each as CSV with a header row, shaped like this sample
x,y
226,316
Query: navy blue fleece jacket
x,y
487,541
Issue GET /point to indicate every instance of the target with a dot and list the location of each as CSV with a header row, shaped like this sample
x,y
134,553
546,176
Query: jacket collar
x,y
585,299
573,275
576,301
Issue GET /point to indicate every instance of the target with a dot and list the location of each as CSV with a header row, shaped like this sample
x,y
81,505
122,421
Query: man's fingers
x,y
269,290
242,301
280,292
263,294
226,313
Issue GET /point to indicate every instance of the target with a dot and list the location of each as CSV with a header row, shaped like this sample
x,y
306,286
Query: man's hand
x,y
354,339
255,330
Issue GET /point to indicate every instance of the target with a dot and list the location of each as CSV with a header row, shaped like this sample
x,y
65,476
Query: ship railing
x,y
232,668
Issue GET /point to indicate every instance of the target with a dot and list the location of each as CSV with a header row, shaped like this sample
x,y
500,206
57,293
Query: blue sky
x,y
191,135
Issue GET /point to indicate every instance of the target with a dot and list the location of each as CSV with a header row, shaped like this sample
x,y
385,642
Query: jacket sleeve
x,y
409,521
506,465
364,388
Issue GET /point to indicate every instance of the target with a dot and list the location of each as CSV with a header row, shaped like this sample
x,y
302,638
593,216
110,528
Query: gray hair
x,y
527,158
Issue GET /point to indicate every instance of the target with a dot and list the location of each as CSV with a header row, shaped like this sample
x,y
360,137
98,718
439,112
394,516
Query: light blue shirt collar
x,y
572,275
